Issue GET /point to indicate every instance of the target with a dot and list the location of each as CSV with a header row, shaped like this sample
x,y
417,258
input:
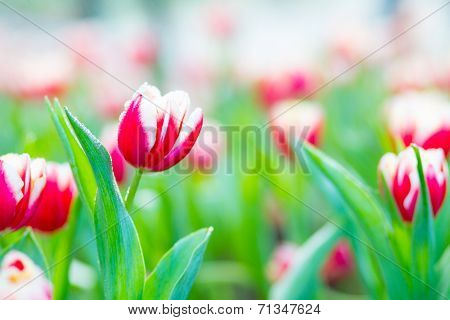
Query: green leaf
x,y
302,279
79,163
423,237
174,275
119,250
366,214
28,244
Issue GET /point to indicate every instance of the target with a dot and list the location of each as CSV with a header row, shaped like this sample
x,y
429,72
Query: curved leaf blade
x,y
302,279
119,249
423,236
174,275
365,214
79,163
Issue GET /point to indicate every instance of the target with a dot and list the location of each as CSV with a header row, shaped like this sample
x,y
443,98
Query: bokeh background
x,y
232,57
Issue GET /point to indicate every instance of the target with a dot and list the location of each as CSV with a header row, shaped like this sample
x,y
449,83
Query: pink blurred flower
x,y
290,85
154,133
32,75
401,176
109,140
21,279
422,118
21,185
291,121
220,20
53,208
282,259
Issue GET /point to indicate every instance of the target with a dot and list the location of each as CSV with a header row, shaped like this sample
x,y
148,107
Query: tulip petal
x,y
10,193
185,142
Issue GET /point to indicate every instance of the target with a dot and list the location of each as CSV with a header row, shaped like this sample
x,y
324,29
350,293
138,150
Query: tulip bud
x,y
402,178
291,121
153,131
21,279
21,183
420,118
339,264
52,210
119,166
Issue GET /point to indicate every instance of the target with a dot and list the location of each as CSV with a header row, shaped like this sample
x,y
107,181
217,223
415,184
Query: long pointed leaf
x,y
302,279
79,163
365,213
423,237
175,273
119,250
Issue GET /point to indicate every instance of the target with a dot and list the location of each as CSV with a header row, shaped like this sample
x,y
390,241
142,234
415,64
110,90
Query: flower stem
x,y
131,193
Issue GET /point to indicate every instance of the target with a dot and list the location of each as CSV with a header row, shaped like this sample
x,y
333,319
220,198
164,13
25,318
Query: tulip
x,y
420,118
154,134
291,85
21,279
56,199
109,140
402,178
21,184
302,121
338,265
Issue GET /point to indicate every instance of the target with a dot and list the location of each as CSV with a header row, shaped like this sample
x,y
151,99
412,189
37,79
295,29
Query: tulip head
x,y
291,122
53,207
119,166
155,132
21,184
420,118
402,178
21,279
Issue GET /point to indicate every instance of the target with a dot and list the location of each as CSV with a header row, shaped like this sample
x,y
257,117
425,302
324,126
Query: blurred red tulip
x,y
291,121
291,85
53,208
339,264
109,140
401,176
21,184
21,279
153,131
422,118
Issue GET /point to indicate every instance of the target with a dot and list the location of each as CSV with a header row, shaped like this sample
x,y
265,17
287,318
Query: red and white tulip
x,y
21,184
422,118
22,279
53,208
119,166
155,132
291,121
402,179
